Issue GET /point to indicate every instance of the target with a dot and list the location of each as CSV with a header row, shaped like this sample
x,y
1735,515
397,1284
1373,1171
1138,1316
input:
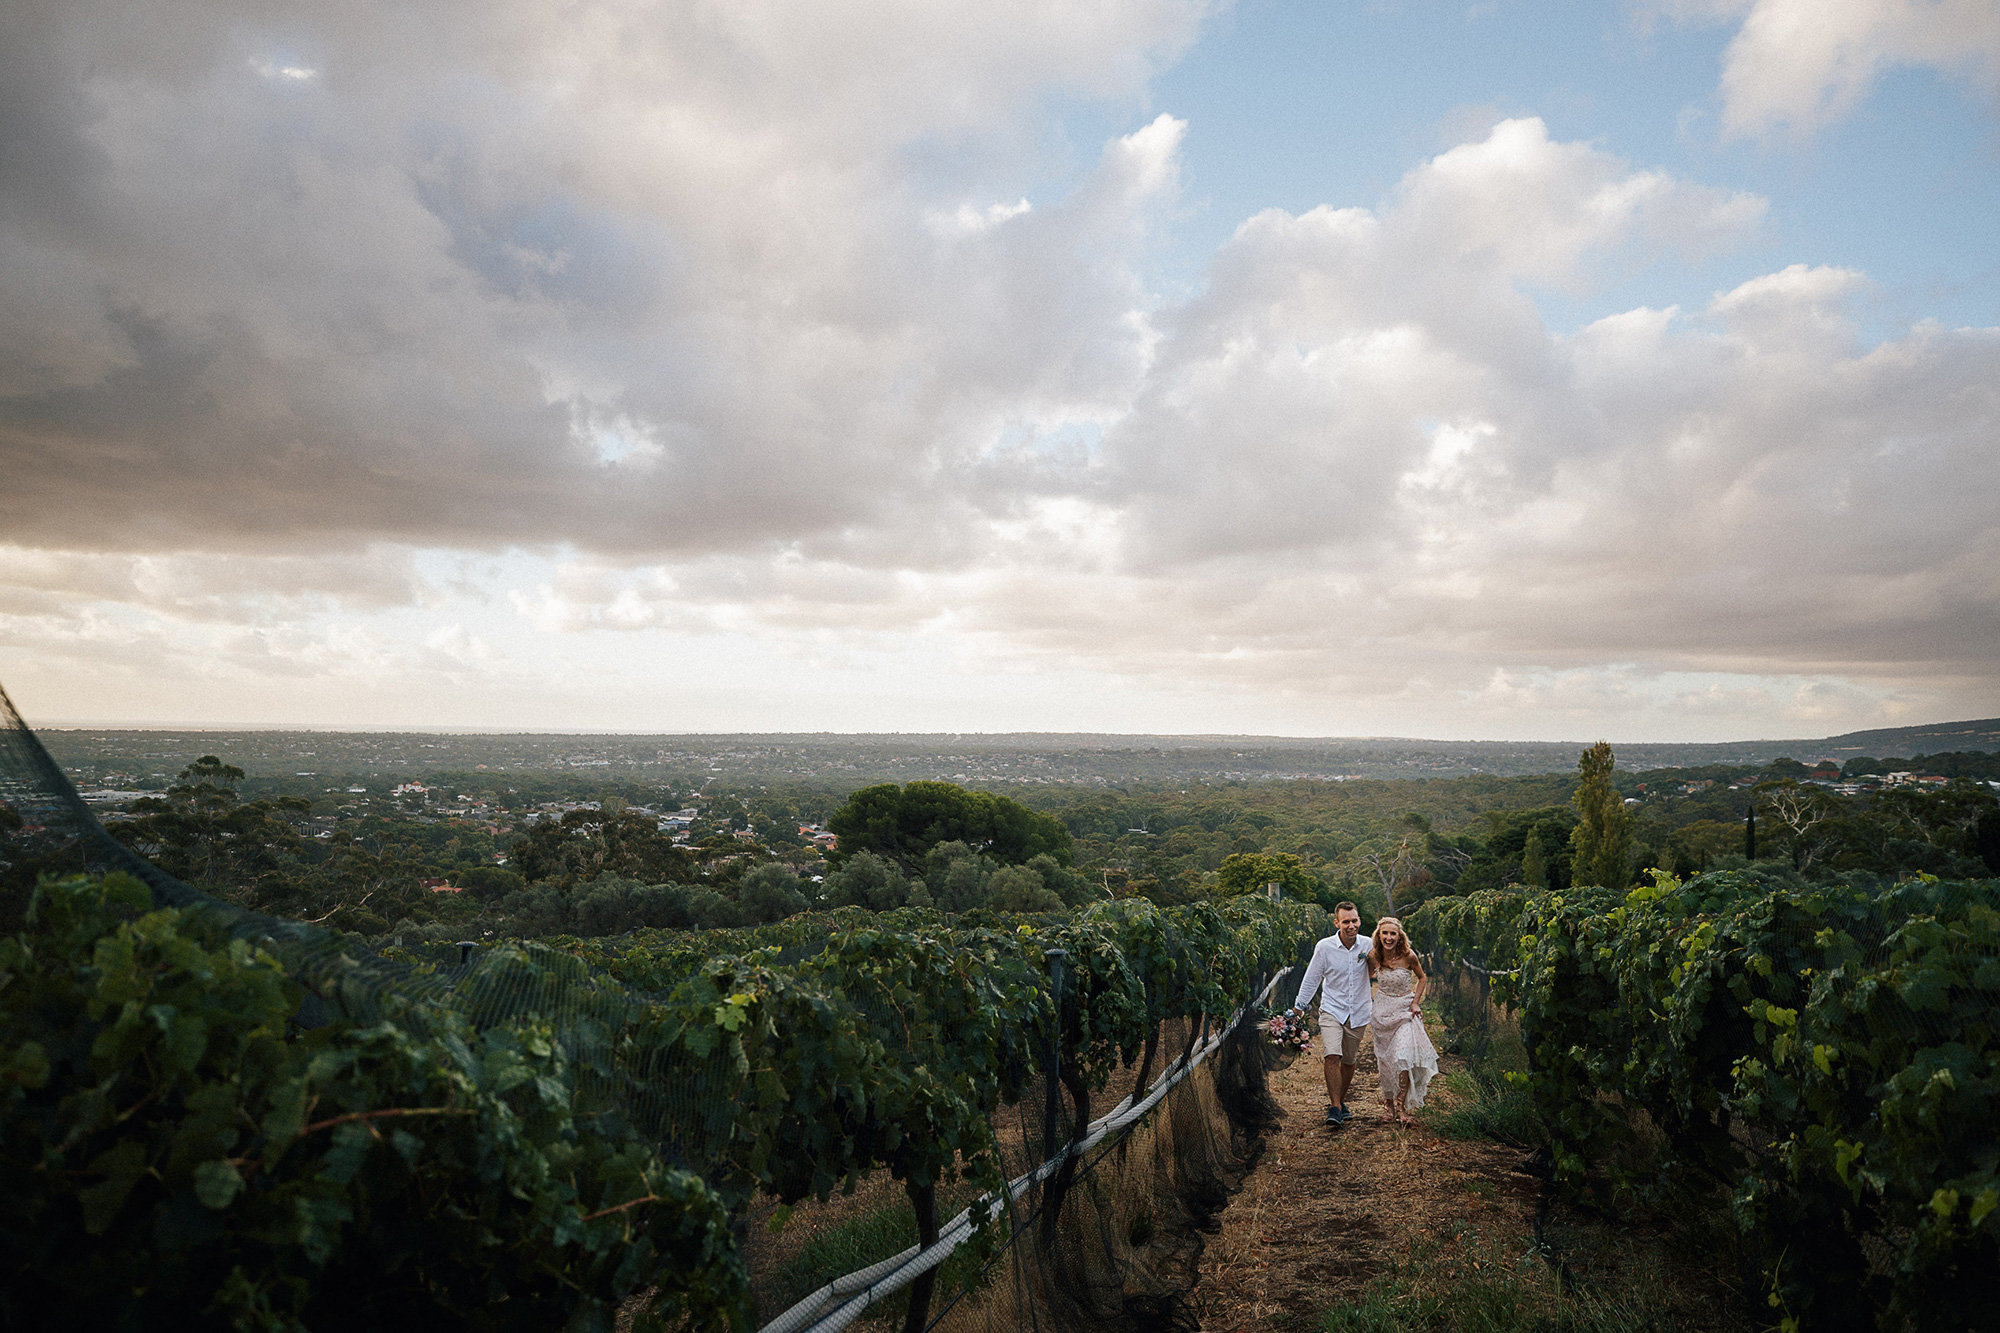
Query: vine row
x,y
1827,1059
572,1123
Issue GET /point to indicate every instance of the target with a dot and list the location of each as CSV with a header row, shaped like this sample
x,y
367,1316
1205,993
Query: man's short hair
x,y
1338,908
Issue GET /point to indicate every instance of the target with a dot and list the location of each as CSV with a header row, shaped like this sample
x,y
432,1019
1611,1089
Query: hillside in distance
x,y
144,757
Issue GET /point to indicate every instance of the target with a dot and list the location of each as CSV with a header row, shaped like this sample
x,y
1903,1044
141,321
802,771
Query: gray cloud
x,y
388,274
735,318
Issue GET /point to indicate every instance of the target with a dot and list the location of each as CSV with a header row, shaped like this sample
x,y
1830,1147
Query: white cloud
x,y
1804,64
712,332
272,70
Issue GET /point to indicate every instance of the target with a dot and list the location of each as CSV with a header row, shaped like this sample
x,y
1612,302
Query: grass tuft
x,y
1462,1281
1502,1305
846,1246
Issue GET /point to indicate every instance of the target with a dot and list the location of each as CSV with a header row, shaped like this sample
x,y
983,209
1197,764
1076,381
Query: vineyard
x,y
1824,1063
211,1111
980,1120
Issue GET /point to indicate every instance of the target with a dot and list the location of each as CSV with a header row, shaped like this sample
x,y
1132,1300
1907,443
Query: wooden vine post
x,y
1051,1074
923,1198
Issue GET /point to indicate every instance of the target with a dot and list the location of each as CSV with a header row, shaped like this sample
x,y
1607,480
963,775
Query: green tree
x,y
902,824
1020,889
490,883
1534,864
867,880
1074,889
204,833
1249,872
1602,842
587,843
957,877
770,892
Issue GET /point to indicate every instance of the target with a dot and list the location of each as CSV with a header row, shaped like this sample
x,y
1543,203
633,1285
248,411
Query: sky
x,y
1504,370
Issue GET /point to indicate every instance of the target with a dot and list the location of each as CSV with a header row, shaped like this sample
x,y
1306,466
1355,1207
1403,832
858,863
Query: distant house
x,y
440,886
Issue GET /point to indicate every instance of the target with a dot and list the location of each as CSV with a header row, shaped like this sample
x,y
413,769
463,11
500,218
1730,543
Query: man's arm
x,y
1315,973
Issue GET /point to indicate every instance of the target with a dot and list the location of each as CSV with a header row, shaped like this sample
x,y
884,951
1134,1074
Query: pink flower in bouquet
x,y
1292,1032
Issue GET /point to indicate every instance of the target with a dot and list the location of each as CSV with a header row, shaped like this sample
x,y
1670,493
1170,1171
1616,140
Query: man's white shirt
x,y
1340,975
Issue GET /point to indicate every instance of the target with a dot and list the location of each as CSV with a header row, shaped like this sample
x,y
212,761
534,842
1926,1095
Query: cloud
x,y
1805,64
741,327
411,297
212,587
1360,465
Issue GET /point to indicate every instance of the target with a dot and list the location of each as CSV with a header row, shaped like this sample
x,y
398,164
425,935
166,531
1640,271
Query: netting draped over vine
x,y
843,1080
1826,1055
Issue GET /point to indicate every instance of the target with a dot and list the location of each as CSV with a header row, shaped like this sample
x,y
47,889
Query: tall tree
x,y
1602,842
1534,863
1809,819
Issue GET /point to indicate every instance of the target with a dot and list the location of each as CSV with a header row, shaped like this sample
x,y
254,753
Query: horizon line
x,y
72,725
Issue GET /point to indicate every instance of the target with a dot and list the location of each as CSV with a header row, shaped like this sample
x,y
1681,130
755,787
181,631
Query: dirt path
x,y
1327,1210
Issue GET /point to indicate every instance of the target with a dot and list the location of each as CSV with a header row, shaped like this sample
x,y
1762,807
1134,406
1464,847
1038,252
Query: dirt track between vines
x,y
1327,1210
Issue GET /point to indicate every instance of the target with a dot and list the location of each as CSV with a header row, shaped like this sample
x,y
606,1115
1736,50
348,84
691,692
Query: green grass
x,y
1462,1281
868,1238
1495,1109
855,1243
1500,1305
1490,1104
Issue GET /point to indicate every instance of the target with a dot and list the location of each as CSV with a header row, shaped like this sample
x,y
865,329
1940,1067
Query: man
x,y
1339,972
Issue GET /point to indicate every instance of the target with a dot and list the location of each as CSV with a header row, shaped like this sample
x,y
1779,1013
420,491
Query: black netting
x,y
1103,1230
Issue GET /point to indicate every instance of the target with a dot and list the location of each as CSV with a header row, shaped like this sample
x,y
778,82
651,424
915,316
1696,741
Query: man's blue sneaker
x,y
1337,1115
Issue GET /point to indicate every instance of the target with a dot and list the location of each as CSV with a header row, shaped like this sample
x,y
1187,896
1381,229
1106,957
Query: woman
x,y
1404,1056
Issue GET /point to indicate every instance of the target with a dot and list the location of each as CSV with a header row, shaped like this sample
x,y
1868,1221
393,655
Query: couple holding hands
x,y
1344,965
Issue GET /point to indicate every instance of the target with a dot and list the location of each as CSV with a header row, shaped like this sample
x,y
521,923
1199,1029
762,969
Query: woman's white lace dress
x,y
1401,1044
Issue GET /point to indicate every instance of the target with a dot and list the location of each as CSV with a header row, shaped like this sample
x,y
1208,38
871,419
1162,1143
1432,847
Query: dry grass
x,y
1377,1227
1329,1209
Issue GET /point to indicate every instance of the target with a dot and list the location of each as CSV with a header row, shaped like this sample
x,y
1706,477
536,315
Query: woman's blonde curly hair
x,y
1408,950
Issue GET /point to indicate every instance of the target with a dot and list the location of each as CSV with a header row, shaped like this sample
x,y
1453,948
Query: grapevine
x,y
1827,1057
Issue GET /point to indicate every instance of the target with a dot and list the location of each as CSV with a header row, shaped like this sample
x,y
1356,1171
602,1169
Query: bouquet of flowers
x,y
1290,1031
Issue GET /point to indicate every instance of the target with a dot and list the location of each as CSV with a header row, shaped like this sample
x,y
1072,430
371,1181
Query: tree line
x,y
606,868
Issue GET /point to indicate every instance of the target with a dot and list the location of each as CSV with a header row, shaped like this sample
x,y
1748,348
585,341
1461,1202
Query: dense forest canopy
x,y
467,855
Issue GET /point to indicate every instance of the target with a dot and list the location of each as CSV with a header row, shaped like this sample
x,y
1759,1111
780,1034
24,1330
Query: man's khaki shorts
x,y
1340,1039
